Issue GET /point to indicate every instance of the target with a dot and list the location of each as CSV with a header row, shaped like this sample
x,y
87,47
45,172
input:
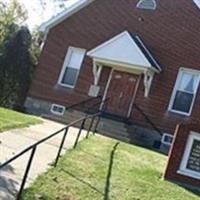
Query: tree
x,y
57,5
18,55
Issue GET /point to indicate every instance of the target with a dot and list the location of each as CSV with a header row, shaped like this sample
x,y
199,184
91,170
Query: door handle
x,y
121,95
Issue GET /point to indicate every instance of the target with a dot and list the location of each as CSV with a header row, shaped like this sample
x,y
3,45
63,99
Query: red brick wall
x,y
171,33
176,153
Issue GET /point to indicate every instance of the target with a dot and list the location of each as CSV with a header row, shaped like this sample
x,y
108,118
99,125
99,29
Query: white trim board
x,y
148,52
123,66
76,7
197,3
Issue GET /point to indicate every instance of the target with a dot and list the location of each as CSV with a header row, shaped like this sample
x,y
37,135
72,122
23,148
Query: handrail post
x,y
61,146
96,125
89,129
79,133
19,195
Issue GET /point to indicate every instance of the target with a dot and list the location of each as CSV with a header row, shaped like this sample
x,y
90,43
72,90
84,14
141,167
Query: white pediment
x,y
121,49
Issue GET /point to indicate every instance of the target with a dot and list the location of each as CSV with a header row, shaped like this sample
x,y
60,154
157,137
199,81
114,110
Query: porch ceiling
x,y
125,51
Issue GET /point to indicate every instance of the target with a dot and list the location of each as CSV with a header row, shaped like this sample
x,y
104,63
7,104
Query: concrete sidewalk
x,y
12,142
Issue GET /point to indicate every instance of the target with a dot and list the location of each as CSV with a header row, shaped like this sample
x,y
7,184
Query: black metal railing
x,y
94,120
148,120
90,105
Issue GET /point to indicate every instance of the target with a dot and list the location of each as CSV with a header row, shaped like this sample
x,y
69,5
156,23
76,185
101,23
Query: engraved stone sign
x,y
194,157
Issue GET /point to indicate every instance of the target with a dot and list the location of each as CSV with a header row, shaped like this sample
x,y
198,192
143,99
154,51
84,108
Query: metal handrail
x,y
34,146
148,119
83,102
45,139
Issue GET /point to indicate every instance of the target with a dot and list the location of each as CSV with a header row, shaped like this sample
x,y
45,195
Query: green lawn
x,y
10,119
102,169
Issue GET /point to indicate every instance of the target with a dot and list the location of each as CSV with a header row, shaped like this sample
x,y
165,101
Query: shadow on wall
x,y
8,186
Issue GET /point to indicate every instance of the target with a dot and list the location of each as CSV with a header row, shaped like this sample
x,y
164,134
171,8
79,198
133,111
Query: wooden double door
x,y
121,92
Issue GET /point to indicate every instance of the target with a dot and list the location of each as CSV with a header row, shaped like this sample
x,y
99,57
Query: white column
x,y
97,68
148,78
106,89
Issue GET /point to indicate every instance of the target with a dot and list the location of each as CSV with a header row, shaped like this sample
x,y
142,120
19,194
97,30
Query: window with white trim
x,y
57,109
147,4
184,92
167,139
71,67
190,164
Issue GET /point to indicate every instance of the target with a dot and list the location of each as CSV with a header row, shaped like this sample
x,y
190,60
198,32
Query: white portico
x,y
124,53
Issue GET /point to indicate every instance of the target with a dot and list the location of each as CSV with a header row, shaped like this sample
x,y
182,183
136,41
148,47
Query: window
x,y
147,4
167,139
184,92
71,67
57,109
190,165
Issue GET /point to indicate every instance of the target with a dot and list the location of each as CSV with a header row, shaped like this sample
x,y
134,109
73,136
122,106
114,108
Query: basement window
x,y
185,91
147,4
57,109
71,67
190,164
167,139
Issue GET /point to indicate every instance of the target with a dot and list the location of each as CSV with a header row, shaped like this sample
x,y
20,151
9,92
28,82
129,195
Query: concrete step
x,y
112,126
107,127
120,137
111,129
113,122
68,120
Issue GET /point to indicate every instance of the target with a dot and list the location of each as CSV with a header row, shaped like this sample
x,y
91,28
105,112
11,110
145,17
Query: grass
x,y
10,119
103,169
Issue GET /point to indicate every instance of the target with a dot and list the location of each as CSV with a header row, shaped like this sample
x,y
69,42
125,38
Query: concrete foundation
x,y
129,133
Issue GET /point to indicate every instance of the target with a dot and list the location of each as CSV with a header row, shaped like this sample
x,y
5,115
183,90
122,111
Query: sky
x,y
36,16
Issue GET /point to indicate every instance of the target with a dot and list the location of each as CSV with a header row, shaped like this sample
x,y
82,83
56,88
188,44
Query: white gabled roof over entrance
x,y
121,49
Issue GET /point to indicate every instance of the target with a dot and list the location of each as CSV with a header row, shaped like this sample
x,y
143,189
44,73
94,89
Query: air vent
x,y
147,4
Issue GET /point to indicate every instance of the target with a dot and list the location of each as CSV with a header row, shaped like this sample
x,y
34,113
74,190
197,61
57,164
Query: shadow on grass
x,y
189,188
195,191
105,194
8,186
109,174
82,181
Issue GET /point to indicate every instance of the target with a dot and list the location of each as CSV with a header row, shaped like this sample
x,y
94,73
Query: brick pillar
x,y
181,136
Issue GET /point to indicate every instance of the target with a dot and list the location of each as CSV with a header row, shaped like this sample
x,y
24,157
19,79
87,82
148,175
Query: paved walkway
x,y
12,142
